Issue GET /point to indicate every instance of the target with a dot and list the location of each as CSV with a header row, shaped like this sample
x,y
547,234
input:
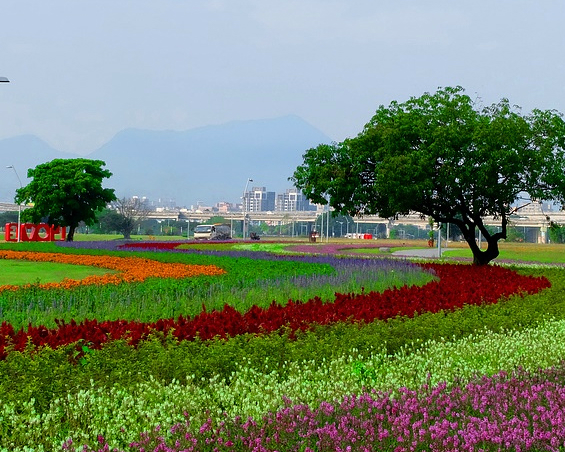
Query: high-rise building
x,y
293,200
258,199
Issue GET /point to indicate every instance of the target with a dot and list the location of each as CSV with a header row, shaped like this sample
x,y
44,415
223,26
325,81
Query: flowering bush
x,y
506,412
119,413
299,392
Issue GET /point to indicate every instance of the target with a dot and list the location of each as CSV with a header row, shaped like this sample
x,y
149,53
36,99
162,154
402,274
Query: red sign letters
x,y
30,232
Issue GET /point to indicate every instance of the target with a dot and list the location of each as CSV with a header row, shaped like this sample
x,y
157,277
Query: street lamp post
x,y
328,224
340,228
245,204
19,205
439,240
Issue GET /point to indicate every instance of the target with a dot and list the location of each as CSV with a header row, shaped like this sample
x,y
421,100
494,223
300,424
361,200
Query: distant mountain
x,y
23,152
208,164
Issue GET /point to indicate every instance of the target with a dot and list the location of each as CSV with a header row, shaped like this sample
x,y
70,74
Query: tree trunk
x,y
484,257
71,234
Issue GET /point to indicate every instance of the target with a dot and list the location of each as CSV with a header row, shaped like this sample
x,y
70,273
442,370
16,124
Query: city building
x,y
293,200
224,207
258,199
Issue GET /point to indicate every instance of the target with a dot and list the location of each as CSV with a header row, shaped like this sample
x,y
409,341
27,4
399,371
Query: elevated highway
x,y
9,207
529,219
536,220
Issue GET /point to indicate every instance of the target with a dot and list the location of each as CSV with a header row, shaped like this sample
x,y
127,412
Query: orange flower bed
x,y
131,269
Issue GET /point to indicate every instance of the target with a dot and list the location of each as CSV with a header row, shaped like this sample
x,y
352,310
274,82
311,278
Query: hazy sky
x,y
81,71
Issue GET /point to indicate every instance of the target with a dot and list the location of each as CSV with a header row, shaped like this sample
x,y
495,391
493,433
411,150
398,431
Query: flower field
x,y
250,351
445,294
130,269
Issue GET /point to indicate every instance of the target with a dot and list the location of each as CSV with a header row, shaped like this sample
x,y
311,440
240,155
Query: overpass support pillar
x,y
543,234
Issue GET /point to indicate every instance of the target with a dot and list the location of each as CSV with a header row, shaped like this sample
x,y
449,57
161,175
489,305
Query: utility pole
x,y
245,205
19,205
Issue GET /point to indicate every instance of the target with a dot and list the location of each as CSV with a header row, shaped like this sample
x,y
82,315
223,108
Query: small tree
x,y
442,156
65,192
556,233
8,217
514,235
108,222
131,212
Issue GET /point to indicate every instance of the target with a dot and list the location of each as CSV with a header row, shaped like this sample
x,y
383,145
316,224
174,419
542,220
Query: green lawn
x,y
16,272
547,253
536,252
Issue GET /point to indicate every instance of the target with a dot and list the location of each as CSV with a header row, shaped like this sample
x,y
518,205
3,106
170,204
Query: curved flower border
x,y
452,291
130,269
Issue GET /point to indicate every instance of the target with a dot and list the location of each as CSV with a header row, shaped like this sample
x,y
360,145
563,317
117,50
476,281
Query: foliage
x,y
442,156
66,192
339,225
131,211
547,253
126,400
165,392
514,235
294,315
108,222
123,216
410,232
516,411
8,217
246,283
556,233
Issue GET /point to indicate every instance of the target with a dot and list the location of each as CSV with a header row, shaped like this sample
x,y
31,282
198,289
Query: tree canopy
x,y
64,192
442,155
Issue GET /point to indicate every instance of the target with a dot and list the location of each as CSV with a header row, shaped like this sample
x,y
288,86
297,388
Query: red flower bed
x,y
153,245
457,285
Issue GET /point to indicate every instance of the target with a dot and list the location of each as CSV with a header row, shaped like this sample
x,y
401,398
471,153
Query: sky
x,y
81,71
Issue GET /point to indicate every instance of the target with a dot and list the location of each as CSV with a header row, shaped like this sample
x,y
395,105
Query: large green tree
x,y
442,155
64,192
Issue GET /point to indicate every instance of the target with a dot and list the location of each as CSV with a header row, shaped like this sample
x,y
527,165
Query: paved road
x,y
424,253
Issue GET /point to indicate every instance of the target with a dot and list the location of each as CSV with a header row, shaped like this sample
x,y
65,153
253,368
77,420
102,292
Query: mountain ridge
x,y
208,164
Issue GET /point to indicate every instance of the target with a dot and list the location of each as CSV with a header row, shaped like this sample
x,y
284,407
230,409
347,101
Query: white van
x,y
212,232
203,231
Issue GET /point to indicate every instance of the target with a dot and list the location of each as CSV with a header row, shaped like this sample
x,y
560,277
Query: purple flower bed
x,y
107,245
519,412
341,264
332,248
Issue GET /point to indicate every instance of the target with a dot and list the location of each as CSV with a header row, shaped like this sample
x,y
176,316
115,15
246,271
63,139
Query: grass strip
x,y
21,272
